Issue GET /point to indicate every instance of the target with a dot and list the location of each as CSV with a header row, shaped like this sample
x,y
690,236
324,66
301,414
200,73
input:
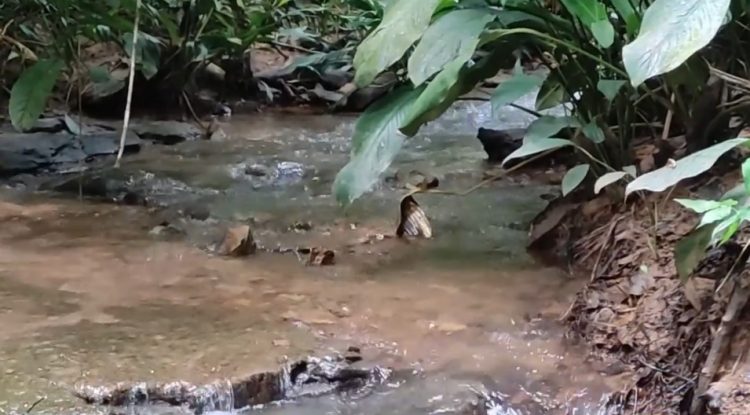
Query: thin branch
x,y
129,101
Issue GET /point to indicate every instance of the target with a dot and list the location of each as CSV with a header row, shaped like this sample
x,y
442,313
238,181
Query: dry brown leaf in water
x,y
238,241
320,257
414,222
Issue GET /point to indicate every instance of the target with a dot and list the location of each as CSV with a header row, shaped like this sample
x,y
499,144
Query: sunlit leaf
x,y
574,177
703,206
531,147
685,168
454,35
715,215
607,179
670,33
30,92
375,143
403,23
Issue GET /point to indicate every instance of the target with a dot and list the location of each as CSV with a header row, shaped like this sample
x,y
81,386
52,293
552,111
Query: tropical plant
x,y
617,67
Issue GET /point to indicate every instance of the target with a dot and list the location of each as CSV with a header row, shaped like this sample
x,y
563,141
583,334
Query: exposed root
x,y
721,341
310,377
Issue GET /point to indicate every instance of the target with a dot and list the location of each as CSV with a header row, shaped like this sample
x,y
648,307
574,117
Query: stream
x,y
100,292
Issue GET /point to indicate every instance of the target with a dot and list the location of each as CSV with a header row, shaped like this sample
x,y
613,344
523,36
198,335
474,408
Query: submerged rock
x,y
30,153
499,144
166,132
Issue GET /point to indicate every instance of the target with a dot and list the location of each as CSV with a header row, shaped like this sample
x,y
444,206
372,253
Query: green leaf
x,y
588,11
603,32
548,125
727,228
574,177
454,35
671,32
715,215
30,92
99,75
685,168
690,250
608,179
593,132
375,143
531,147
551,94
703,206
456,79
628,14
610,87
514,88
403,23
746,175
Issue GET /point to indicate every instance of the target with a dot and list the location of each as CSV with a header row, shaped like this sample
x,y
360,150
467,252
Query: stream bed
x,y
100,292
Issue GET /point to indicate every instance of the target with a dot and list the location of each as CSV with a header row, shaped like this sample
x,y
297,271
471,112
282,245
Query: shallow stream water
x,y
99,292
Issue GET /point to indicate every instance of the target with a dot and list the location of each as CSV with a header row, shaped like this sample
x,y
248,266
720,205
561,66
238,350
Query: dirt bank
x,y
642,322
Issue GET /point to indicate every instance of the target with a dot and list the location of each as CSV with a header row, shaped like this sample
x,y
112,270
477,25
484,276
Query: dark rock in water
x,y
304,378
166,132
197,211
283,173
499,144
29,153
47,125
258,170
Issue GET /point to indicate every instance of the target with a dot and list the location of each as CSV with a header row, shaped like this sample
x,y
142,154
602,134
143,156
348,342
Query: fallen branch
x,y
309,377
131,79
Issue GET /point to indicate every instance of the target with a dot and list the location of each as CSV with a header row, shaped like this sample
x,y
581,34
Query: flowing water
x,y
99,292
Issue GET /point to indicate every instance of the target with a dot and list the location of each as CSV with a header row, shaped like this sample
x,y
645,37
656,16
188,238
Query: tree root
x,y
309,377
723,336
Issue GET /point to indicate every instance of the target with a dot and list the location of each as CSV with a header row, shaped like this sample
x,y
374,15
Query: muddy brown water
x,y
90,292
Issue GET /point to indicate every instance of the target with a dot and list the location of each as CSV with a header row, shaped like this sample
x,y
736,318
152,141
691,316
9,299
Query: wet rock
x,y
499,144
48,125
197,211
281,174
30,153
258,170
303,378
238,241
166,132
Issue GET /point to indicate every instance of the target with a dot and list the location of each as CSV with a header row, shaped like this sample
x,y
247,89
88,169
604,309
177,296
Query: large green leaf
x,y
548,125
593,14
454,35
514,88
531,147
685,168
610,87
403,23
30,92
671,32
375,143
628,13
551,94
574,177
607,179
456,79
690,250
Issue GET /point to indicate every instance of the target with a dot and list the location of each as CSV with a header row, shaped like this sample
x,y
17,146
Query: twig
x,y
192,112
129,101
492,178
37,402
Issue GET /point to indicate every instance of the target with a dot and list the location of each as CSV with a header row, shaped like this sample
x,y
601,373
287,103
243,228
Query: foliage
x,y
175,37
618,67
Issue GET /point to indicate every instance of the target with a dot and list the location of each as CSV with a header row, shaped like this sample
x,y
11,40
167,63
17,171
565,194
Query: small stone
x,y
281,343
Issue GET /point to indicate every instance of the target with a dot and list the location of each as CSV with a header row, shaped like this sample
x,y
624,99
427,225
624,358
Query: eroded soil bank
x,y
637,315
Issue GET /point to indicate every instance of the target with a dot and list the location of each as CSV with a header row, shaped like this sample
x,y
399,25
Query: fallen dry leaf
x,y
238,241
320,257
414,222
